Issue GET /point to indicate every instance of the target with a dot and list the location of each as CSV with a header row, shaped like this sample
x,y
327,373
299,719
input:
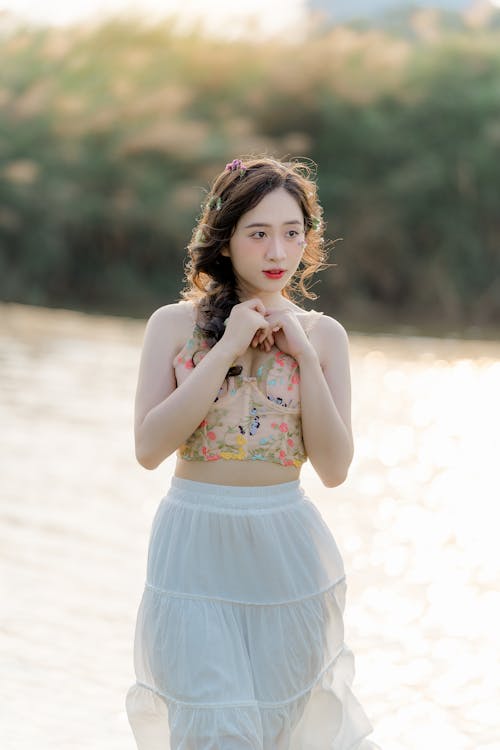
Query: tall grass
x,y
109,136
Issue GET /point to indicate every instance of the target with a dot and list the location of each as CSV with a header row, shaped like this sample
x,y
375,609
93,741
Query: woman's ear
x,y
225,252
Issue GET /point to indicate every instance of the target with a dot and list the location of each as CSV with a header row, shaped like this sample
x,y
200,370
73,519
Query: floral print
x,y
252,418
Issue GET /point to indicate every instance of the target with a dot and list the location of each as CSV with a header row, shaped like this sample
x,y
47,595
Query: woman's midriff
x,y
238,473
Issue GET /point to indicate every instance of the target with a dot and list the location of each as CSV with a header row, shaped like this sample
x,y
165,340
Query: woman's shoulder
x,y
330,339
172,323
176,313
327,334
320,322
328,324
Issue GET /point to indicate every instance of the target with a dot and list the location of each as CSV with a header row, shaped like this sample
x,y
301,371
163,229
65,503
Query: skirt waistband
x,y
231,496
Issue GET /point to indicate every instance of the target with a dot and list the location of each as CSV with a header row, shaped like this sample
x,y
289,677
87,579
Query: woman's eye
x,y
260,234
293,233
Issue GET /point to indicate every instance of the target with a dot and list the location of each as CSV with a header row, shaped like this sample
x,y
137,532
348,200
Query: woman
x,y
239,637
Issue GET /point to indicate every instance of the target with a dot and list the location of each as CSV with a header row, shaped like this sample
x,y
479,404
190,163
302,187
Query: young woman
x,y
239,639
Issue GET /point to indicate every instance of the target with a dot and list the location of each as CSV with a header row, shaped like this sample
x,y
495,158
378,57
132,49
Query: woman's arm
x,y
325,395
165,415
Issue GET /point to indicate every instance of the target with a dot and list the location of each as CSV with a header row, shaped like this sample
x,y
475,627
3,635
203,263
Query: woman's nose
x,y
276,249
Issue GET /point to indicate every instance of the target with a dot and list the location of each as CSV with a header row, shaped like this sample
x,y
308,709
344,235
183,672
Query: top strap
x,y
193,312
312,319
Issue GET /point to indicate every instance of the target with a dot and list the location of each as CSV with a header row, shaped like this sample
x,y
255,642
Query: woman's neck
x,y
273,301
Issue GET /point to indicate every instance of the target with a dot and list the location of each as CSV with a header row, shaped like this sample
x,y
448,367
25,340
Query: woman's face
x,y
267,245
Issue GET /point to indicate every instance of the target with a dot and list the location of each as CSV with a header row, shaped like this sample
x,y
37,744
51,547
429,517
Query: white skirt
x,y
239,639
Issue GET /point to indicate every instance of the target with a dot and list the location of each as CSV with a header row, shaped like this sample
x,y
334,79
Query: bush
x,y
109,137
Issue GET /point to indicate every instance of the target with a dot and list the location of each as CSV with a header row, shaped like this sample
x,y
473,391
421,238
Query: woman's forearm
x,y
173,420
326,438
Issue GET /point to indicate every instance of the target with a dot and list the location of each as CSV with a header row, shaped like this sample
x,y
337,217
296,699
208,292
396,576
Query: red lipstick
x,y
275,273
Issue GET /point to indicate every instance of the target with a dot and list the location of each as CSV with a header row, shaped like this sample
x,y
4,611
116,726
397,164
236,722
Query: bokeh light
x,y
416,522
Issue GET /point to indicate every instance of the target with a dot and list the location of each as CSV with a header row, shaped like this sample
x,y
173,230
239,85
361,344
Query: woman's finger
x,y
257,304
266,343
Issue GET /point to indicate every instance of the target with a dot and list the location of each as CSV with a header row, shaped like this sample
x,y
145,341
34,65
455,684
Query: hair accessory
x,y
315,222
200,236
234,165
215,202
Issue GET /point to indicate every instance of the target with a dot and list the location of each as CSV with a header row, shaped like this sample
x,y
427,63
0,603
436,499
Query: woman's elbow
x,y
333,480
147,462
334,476
145,457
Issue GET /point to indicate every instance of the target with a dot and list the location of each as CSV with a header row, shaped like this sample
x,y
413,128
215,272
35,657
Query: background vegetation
x,y
109,137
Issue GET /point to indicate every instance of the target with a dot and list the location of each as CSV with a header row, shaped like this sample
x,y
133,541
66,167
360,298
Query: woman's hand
x,y
287,333
247,326
263,339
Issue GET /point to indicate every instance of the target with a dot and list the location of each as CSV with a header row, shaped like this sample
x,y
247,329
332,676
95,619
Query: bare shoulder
x,y
166,332
175,313
172,324
329,338
328,326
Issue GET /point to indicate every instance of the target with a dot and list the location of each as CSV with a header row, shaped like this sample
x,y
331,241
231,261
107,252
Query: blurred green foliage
x,y
109,137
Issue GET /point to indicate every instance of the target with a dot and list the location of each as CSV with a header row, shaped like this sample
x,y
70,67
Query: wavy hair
x,y
211,283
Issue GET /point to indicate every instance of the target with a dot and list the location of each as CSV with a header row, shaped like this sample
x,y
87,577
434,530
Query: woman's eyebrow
x,y
263,224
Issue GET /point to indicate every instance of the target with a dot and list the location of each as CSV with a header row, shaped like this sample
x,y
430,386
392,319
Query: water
x,y
416,521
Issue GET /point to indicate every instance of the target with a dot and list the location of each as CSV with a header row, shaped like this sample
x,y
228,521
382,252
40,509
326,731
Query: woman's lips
x,y
274,274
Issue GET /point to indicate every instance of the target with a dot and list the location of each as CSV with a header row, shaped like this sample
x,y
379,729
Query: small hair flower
x,y
215,202
315,222
200,236
235,165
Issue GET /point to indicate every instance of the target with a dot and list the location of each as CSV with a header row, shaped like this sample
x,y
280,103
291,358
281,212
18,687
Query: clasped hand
x,y
251,324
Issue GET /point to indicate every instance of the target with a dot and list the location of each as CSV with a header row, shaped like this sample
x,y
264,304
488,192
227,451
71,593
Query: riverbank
x,y
415,523
31,315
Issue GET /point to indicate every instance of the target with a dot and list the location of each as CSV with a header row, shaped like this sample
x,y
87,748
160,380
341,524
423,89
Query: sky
x,y
267,16
226,16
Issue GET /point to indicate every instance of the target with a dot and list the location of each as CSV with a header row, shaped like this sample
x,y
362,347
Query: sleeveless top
x,y
252,418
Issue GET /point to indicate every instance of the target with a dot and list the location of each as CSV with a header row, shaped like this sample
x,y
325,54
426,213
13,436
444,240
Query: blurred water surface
x,y
416,521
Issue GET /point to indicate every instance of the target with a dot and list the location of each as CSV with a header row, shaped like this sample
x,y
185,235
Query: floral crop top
x,y
252,418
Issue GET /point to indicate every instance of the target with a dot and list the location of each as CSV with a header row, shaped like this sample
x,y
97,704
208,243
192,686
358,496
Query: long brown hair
x,y
211,283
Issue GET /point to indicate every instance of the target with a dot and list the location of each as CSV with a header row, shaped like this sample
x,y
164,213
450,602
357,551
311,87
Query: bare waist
x,y
239,473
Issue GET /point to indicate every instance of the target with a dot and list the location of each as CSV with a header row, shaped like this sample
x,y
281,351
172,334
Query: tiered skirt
x,y
239,641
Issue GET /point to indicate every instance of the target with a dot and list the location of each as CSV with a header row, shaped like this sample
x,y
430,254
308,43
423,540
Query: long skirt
x,y
239,641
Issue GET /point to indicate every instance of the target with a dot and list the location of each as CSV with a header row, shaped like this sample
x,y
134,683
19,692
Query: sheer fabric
x,y
239,638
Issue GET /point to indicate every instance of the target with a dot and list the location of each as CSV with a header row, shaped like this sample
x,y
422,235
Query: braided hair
x,y
211,283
